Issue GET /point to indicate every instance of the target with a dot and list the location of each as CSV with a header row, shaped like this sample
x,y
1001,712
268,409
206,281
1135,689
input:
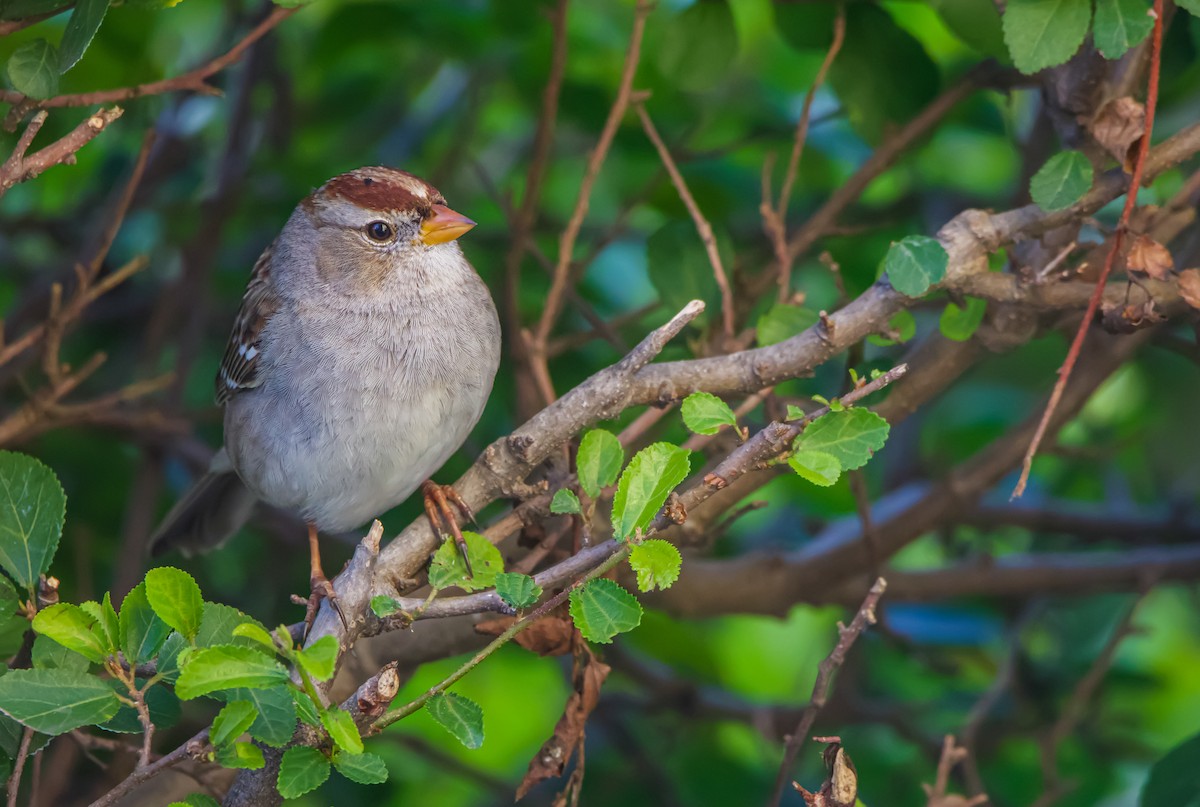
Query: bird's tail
x,y
215,508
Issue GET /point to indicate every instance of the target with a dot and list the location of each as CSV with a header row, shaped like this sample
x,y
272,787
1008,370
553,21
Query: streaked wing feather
x,y
239,366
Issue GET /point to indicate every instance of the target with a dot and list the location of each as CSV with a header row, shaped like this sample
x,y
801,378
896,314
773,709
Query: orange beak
x,y
444,225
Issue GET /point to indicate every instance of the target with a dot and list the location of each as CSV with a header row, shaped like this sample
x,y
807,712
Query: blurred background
x,y
695,708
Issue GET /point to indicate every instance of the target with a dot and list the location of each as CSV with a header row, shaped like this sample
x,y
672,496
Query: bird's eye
x,y
379,231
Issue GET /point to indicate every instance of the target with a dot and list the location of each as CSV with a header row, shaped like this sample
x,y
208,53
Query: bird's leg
x,y
321,587
438,499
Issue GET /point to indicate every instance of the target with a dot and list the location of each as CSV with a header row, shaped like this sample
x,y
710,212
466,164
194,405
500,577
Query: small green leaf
x,y
218,626
699,45
302,769
817,467
71,627
383,605
108,624
976,23
276,721
657,564
320,658
783,321
1192,6
599,461
365,768
241,755
1044,33
176,598
649,478
141,631
234,720
306,710
31,519
33,70
704,413
902,325
342,730
56,701
958,323
565,501
196,800
458,715
915,263
257,634
518,590
601,609
1062,181
447,568
1175,778
795,413
226,667
85,21
850,437
1120,25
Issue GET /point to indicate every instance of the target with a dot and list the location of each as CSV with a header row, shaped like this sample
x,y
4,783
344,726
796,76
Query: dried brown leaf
x,y
1149,256
1118,126
1189,287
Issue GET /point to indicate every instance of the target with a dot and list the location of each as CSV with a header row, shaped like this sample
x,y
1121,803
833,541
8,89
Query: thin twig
x,y
702,225
822,686
1135,184
566,242
21,168
14,781
191,749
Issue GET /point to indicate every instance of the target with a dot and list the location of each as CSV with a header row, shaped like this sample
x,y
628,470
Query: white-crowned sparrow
x,y
363,354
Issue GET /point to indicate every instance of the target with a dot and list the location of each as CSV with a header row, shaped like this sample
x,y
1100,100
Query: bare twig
x,y
192,749
566,242
14,781
20,167
822,686
1135,183
937,794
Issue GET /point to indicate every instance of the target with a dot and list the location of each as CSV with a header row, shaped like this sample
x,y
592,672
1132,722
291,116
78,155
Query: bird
x,y
362,356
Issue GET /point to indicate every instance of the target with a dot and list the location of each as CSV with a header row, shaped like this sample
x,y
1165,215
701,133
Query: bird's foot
x,y
322,589
438,501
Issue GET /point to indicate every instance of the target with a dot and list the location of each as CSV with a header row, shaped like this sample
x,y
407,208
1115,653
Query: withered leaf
x,y
549,636
1189,287
1119,126
1149,256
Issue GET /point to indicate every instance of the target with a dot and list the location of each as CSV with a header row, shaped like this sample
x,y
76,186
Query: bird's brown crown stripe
x,y
385,189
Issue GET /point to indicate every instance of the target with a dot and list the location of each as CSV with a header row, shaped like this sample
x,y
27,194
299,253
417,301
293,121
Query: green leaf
x,y
8,597
306,710
85,21
33,70
32,507
141,631
649,478
699,45
458,715
959,323
107,623
342,730
276,721
234,720
601,609
320,658
219,626
72,628
915,263
241,755
383,605
657,564
257,634
975,22
56,701
162,704
176,598
365,768
50,655
518,590
1174,779
1045,33
782,322
599,461
302,769
196,800
704,413
447,568
795,413
226,667
902,324
1062,181
817,467
679,268
565,501
1120,25
1192,6
851,437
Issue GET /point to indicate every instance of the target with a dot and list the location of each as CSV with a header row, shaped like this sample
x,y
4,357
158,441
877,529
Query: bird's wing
x,y
239,366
